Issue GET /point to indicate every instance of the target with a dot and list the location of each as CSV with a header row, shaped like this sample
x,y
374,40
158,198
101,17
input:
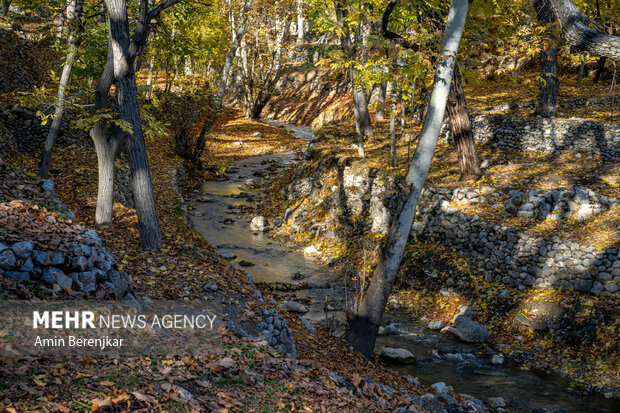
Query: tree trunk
x,y
6,5
221,91
599,68
548,91
74,16
381,101
578,34
403,119
461,130
300,21
106,145
582,67
363,125
127,98
363,329
393,127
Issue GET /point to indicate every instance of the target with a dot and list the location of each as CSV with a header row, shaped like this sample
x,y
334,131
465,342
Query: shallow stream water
x,y
220,210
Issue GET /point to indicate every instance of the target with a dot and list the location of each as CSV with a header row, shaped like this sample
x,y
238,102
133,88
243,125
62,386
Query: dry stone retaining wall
x,y
545,135
513,257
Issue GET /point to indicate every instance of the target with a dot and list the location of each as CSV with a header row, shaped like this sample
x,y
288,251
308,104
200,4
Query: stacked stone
x,y
89,265
29,134
545,135
277,333
508,255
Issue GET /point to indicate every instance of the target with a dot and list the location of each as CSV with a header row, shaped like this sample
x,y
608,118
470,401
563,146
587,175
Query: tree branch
x,y
390,35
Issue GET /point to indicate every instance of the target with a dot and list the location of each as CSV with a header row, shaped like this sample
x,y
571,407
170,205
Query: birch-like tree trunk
x,y
393,127
300,21
363,125
362,332
381,101
74,17
237,37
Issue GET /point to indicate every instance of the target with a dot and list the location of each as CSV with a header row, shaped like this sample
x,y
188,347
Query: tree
x,y
237,37
6,5
577,33
261,55
462,133
549,82
74,17
458,117
363,126
363,329
119,70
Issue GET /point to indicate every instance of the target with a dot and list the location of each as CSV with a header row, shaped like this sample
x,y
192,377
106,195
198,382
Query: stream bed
x,y
220,211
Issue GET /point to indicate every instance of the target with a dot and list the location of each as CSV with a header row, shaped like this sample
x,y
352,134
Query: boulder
x,y
293,307
468,330
88,279
397,355
258,223
436,325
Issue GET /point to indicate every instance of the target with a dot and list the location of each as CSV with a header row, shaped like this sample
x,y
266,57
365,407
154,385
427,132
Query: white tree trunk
x,y
363,329
74,17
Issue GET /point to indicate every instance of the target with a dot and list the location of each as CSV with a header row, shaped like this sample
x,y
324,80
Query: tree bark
x,y
362,332
6,5
578,34
300,21
363,125
549,84
381,101
74,16
124,53
600,66
393,127
461,130
221,90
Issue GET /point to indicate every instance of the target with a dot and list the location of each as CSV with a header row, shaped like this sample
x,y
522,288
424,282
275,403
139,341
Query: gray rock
x,y
88,279
58,259
80,249
121,281
583,285
40,257
3,247
28,266
497,402
429,403
51,274
16,275
64,281
48,186
258,224
80,263
131,301
442,387
468,330
436,325
308,325
397,355
497,359
293,307
7,259
23,249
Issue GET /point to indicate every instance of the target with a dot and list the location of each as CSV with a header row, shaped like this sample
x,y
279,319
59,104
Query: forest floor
x,y
241,375
586,351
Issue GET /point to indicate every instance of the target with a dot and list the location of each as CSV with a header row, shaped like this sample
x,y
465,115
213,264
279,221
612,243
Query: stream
x,y
220,210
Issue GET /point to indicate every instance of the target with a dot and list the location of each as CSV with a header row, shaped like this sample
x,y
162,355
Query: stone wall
x,y
513,257
545,135
359,197
29,134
